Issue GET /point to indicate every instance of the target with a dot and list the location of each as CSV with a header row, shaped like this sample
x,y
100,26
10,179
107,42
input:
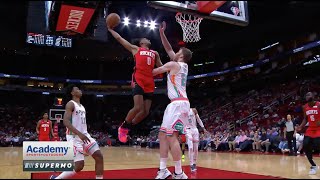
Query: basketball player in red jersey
x,y
142,81
44,128
312,134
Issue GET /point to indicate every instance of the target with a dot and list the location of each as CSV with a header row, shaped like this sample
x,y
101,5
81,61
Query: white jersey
x,y
192,121
177,82
78,119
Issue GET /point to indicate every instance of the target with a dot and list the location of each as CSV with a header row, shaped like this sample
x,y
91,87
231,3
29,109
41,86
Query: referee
x,y
289,135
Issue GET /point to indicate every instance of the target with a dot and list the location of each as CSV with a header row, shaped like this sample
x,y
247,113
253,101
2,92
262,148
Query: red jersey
x,y
313,117
144,64
44,130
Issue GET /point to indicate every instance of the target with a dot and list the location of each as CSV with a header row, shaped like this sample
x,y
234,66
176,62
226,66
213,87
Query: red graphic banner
x,y
73,18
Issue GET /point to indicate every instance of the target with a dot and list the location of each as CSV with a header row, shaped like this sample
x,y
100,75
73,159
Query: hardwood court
x,y
120,158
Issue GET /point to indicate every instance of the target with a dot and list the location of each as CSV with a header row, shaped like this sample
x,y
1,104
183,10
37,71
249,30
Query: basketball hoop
x,y
190,26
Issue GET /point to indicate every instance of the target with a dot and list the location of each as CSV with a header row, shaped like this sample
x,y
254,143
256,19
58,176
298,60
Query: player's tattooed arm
x,y
66,121
130,47
165,41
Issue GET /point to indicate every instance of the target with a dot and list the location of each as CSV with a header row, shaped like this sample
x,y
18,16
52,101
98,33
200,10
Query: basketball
x,y
113,20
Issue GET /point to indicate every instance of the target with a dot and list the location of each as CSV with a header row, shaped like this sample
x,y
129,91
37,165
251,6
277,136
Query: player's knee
x,y
138,108
79,166
98,157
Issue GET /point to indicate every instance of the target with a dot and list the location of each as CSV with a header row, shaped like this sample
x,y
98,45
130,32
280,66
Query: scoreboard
x,y
49,40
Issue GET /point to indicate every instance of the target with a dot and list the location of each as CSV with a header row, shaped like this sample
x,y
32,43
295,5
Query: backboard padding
x,y
232,12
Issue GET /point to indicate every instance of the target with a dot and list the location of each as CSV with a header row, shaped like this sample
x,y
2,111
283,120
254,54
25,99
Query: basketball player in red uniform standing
x,y
44,128
312,135
142,81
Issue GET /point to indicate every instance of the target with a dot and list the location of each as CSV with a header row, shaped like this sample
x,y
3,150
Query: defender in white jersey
x,y
192,135
75,121
176,114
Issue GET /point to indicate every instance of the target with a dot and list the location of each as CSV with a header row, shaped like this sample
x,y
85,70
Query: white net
x,y
190,27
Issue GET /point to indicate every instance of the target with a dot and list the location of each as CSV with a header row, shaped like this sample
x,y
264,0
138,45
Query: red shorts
x,y
44,138
313,133
183,138
145,83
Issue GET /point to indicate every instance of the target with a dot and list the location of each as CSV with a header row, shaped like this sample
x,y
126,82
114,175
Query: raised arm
x,y
165,41
130,47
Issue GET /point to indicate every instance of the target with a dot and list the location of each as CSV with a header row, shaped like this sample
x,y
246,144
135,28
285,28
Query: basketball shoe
x,y
313,170
179,176
122,133
163,173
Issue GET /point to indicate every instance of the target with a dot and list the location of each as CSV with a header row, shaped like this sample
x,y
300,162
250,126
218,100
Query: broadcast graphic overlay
x,y
47,156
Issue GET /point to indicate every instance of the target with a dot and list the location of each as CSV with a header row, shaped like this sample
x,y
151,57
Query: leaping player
x,y
75,121
192,135
176,114
142,81
312,135
44,128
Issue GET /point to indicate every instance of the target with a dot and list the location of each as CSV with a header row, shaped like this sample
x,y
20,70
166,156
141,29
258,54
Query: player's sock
x,y
191,151
99,176
177,167
195,150
66,175
163,163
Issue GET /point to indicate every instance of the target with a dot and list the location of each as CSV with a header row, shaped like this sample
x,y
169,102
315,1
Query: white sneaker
x,y
179,176
313,170
163,174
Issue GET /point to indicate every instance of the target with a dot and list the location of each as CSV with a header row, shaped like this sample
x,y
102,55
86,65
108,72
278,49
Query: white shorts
x,y
175,117
192,134
81,149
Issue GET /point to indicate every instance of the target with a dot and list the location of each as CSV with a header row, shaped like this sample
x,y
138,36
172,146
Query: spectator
x,y
243,137
265,141
233,140
256,145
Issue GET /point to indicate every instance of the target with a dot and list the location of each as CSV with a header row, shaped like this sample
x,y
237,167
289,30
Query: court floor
x,y
120,158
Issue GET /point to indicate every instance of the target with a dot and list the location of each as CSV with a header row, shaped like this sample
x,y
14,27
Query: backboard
x,y
56,113
232,12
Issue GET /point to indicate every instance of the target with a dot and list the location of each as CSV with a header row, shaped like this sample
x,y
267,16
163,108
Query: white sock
x,y
66,174
191,156
190,151
163,163
195,150
99,176
177,166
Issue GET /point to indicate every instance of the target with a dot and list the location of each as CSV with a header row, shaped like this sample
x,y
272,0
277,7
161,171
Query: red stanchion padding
x,y
209,6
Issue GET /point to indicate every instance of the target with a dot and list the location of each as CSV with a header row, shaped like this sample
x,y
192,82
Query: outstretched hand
x,y
163,26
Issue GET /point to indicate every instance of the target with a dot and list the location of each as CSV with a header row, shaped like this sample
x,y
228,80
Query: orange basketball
x,y
113,20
